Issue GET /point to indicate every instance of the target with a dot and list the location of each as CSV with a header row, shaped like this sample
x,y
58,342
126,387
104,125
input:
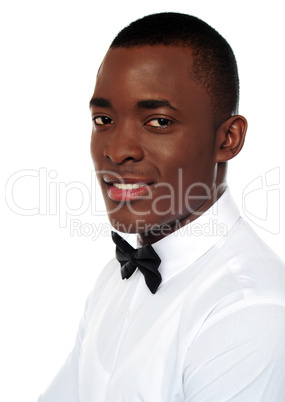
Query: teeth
x,y
127,186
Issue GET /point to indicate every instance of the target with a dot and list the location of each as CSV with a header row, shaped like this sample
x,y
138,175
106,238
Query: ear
x,y
230,138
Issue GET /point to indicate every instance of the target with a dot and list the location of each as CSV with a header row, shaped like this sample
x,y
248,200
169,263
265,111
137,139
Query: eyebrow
x,y
154,104
100,102
143,104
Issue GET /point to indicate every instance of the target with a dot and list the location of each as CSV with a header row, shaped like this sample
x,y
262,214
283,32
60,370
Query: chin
x,y
129,224
138,224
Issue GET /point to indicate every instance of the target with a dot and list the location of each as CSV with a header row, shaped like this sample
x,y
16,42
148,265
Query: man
x,y
200,314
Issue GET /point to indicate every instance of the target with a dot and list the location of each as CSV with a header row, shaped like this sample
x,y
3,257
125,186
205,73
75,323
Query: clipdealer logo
x,y
261,201
50,196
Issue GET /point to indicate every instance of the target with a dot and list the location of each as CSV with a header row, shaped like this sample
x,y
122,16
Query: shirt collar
x,y
189,243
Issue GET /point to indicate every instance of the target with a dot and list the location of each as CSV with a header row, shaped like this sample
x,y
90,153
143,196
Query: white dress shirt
x,y
213,331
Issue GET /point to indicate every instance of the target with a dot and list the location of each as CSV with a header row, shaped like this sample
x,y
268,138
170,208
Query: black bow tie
x,y
144,258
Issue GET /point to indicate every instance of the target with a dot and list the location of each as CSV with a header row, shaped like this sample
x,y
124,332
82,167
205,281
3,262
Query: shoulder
x,y
256,269
240,275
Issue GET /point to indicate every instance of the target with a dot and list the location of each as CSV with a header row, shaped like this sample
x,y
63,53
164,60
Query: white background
x,y
50,53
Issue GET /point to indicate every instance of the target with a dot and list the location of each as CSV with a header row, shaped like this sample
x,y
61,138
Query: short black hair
x,y
214,63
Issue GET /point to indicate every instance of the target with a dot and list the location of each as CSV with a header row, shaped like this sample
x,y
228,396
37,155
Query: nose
x,y
124,145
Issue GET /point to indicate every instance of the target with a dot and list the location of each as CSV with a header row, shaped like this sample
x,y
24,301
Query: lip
x,y
127,194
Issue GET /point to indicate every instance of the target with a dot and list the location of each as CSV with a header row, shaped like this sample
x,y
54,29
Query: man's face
x,y
153,140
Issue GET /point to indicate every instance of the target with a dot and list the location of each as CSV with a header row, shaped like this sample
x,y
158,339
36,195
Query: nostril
x,y
123,151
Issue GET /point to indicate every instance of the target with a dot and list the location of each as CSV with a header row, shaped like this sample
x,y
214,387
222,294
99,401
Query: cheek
x,y
92,145
96,150
194,164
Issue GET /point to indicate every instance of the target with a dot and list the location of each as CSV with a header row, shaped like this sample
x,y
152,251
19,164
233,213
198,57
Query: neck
x,y
217,190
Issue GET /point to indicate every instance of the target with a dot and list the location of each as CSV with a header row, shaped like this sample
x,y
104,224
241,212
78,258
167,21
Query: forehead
x,y
148,58
150,72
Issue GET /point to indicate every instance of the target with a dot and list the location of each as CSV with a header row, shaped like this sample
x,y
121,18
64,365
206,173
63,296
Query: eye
x,y
159,123
102,120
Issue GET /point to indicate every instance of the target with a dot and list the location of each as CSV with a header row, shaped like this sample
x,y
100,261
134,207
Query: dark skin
x,y
153,124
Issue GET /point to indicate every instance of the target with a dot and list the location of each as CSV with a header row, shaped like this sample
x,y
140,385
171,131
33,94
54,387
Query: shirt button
x,y
128,313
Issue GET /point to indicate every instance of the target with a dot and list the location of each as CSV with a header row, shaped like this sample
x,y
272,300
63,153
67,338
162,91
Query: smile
x,y
128,186
124,192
